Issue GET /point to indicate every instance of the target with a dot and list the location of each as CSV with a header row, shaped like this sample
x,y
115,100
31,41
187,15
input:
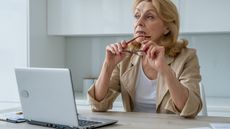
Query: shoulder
x,y
188,51
186,54
187,58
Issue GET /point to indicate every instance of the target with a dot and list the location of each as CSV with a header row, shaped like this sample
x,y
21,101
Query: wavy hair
x,y
167,12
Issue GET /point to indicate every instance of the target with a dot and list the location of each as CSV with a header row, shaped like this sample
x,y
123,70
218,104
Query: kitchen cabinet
x,y
89,17
114,17
201,16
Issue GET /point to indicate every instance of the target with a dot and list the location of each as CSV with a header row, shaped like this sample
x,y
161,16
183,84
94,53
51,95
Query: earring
x,y
166,33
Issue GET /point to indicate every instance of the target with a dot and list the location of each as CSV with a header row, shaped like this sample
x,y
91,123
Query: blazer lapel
x,y
162,88
130,76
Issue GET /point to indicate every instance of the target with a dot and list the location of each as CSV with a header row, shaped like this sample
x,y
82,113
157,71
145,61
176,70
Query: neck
x,y
149,71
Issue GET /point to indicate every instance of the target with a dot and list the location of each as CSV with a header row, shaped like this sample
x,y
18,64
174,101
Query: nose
x,y
140,22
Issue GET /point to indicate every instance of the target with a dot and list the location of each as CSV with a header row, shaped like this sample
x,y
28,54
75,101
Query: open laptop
x,y
47,99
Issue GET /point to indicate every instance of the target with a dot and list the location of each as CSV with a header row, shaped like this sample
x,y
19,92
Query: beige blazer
x,y
124,76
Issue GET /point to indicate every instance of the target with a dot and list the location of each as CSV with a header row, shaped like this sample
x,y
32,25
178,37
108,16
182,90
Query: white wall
x,y
213,52
13,45
45,51
17,36
85,55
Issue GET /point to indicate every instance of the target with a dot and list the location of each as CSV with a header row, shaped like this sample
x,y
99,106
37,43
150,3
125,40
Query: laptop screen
x,y
46,95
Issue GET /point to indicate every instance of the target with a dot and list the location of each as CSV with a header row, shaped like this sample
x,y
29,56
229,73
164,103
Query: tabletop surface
x,y
136,120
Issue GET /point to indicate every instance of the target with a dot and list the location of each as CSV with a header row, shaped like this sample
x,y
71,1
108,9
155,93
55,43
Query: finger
x,y
144,46
123,44
153,52
144,42
161,51
147,44
120,48
109,48
115,48
149,52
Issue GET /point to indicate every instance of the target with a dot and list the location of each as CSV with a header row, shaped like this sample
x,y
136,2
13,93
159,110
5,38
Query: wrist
x,y
108,66
166,71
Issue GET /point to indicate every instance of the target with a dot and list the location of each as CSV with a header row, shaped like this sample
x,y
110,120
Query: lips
x,y
140,33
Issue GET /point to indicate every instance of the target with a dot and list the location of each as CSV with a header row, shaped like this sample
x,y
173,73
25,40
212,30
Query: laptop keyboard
x,y
87,122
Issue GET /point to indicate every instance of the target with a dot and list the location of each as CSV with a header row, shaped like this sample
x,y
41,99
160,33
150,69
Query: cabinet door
x,y
205,15
86,17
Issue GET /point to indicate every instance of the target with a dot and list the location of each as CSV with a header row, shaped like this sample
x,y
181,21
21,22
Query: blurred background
x,y
73,34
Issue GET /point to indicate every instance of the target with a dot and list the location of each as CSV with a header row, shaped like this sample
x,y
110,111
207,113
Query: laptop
x,y
47,99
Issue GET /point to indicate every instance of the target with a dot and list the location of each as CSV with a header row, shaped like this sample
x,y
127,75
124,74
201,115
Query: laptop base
x,y
58,126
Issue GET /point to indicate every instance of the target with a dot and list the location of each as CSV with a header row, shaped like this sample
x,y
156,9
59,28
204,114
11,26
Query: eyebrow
x,y
150,10
147,10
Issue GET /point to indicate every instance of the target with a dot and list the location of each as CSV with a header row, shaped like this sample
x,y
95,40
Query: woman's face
x,y
147,22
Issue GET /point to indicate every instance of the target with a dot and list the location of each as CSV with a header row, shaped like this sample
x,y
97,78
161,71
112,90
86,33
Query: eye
x,y
150,17
136,16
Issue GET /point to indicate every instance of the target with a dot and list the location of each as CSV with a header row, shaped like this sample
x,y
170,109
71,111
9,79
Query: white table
x,y
132,120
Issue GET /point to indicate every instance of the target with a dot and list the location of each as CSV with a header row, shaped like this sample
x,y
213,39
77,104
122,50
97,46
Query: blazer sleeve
x,y
113,92
189,77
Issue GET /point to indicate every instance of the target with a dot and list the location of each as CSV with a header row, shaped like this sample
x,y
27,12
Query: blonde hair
x,y
168,13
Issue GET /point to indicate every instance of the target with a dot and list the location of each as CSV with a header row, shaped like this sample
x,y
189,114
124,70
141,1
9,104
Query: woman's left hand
x,y
155,55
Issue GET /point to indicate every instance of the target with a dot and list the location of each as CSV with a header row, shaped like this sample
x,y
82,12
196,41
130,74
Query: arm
x,y
114,55
101,86
183,86
179,93
103,93
187,73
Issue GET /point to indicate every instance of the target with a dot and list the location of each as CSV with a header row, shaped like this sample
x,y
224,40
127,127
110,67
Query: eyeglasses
x,y
136,52
131,40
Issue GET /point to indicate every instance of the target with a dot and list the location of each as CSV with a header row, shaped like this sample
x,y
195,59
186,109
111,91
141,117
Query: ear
x,y
166,30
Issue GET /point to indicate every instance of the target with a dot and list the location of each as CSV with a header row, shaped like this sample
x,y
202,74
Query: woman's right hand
x,y
114,53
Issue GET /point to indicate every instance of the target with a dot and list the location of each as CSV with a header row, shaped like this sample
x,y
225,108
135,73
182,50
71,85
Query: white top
x,y
145,98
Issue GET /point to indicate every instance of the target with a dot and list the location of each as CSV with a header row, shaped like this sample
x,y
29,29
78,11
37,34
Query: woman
x,y
164,80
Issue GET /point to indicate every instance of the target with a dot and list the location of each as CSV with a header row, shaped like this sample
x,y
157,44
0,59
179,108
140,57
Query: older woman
x,y
165,79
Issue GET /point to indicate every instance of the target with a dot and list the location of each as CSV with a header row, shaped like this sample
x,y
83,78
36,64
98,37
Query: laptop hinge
x,y
58,126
